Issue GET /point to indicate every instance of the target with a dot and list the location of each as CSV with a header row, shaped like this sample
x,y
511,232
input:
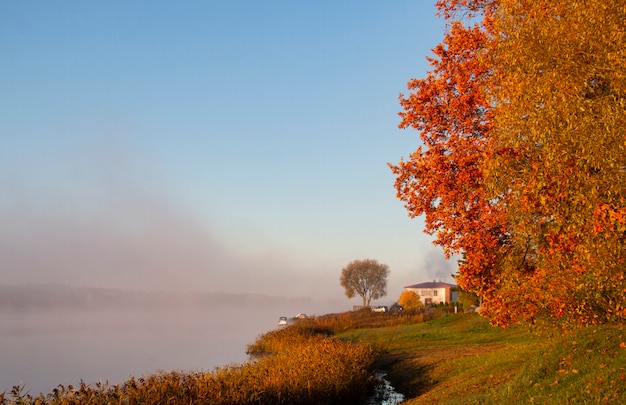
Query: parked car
x,y
282,321
380,308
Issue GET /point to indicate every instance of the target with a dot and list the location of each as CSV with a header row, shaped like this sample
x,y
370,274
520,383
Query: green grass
x,y
449,359
461,359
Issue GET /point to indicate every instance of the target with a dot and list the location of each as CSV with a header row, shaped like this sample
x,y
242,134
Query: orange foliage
x,y
559,90
522,169
444,180
409,300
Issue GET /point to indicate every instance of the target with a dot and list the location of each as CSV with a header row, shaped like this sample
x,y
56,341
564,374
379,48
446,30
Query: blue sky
x,y
235,146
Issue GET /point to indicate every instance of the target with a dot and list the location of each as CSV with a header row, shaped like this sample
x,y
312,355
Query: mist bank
x,y
55,334
52,297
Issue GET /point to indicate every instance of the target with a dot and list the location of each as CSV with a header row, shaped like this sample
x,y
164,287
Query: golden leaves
x,y
554,98
523,167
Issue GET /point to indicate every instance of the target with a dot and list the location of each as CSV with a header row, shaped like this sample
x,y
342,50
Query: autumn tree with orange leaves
x,y
444,179
410,300
522,167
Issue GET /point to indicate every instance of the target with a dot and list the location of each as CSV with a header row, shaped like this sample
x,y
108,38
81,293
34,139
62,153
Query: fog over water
x,y
174,150
45,343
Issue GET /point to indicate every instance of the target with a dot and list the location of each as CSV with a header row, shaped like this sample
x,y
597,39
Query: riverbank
x,y
299,364
54,334
445,359
461,359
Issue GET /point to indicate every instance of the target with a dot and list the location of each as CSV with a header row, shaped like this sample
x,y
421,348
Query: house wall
x,y
432,295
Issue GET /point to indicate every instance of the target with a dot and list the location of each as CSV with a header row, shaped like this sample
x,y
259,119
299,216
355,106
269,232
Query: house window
x,y
434,293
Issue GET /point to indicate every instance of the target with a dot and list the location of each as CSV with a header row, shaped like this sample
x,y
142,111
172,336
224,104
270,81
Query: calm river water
x,y
44,349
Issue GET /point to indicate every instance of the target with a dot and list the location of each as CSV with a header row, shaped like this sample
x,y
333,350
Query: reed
x,y
293,365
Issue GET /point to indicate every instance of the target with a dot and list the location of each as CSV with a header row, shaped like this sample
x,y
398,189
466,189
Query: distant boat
x,y
283,320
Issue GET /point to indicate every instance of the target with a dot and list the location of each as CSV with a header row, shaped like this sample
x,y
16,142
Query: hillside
x,y
461,359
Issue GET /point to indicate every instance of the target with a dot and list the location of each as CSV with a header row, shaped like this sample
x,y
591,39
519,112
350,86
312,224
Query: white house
x,y
434,292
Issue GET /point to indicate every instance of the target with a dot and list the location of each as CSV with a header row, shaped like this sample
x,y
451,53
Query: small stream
x,y
385,393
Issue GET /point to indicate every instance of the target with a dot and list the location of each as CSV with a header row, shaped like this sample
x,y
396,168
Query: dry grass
x,y
295,365
365,318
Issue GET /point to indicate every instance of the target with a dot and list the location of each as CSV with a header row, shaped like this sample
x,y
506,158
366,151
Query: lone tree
x,y
410,300
367,278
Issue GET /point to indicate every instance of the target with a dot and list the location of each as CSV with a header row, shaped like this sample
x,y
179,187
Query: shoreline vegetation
x,y
429,357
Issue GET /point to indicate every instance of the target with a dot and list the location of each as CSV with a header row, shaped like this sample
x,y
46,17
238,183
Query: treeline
x,y
50,296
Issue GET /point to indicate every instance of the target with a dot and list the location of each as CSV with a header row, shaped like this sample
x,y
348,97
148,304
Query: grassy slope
x,y
461,359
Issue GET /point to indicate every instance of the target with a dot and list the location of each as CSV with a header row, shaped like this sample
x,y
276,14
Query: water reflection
x,y
44,348
51,348
385,393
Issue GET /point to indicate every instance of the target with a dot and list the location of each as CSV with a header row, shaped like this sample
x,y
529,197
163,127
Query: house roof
x,y
431,284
